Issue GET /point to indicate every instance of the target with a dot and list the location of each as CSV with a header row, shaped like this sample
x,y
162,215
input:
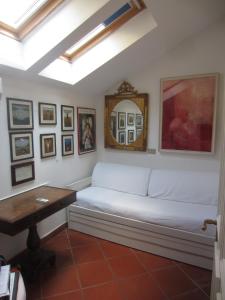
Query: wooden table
x,y
24,211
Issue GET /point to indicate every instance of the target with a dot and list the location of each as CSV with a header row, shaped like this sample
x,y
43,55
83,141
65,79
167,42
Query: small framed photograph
x,y
20,114
113,122
86,124
23,172
67,145
122,137
139,120
130,136
121,120
21,145
47,114
67,118
48,145
130,119
138,132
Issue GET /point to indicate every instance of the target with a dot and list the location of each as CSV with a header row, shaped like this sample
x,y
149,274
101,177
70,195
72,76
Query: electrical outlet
x,y
151,151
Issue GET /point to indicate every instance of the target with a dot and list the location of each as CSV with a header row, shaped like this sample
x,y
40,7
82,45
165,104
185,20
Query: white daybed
x,y
159,211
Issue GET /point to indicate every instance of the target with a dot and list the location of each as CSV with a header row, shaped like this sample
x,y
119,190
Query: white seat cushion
x,y
184,186
128,179
179,215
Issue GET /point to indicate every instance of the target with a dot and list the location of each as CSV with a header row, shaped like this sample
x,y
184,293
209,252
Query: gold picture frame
x,y
125,92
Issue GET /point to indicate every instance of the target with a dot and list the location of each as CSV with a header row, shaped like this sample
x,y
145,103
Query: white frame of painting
x,y
216,75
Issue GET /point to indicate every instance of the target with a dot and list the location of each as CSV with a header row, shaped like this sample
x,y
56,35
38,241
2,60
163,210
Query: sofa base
x,y
167,242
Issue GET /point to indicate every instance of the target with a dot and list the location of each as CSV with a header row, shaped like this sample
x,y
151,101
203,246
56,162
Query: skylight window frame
x,y
136,7
32,22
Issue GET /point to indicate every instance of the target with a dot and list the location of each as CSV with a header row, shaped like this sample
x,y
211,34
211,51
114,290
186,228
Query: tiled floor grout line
x,y
147,271
195,283
111,270
116,279
60,294
177,297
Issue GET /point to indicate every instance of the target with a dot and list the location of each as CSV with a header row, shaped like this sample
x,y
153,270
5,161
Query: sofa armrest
x,y
79,184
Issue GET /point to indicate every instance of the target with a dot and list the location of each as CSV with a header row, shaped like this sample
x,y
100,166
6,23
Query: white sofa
x,y
159,211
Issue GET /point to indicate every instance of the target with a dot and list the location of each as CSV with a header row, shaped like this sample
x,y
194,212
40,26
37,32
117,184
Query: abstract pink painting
x,y
188,113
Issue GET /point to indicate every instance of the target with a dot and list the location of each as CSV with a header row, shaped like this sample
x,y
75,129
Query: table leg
x,y
35,258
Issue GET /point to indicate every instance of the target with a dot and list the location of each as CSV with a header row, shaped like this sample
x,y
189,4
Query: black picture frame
x,y
139,120
20,114
121,120
67,144
47,113
21,145
67,118
122,137
48,145
86,124
23,172
130,136
130,119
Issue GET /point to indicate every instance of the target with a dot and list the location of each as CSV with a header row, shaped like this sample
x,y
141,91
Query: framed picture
x,y
188,109
20,114
47,114
130,136
121,120
122,137
21,145
130,119
138,132
48,145
139,120
113,122
67,118
86,124
23,172
67,145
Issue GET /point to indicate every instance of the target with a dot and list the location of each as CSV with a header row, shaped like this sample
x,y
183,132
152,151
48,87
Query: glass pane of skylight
x,y
122,10
16,12
85,39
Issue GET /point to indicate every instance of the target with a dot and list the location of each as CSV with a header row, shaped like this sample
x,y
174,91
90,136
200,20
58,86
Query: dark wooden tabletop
x,y
21,211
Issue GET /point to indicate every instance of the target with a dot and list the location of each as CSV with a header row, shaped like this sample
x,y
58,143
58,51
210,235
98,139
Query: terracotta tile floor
x,y
88,268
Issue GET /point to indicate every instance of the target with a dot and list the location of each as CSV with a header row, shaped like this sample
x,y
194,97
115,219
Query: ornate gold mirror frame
x,y
139,120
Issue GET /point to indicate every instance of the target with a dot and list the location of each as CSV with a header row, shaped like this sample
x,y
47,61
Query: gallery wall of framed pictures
x,y
21,138
20,124
129,125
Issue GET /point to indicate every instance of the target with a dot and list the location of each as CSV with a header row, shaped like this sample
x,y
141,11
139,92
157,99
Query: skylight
x,y
85,39
19,17
15,13
109,25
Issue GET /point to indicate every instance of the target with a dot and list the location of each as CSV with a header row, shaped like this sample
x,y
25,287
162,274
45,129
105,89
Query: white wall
x,y
57,170
203,53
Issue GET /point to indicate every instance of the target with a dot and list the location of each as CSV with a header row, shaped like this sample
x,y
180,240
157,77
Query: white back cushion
x,y
123,178
184,186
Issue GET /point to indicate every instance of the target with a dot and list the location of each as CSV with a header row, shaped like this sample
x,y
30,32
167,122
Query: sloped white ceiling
x,y
176,21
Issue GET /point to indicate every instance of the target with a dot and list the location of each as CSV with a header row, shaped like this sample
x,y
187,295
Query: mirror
x,y
126,116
